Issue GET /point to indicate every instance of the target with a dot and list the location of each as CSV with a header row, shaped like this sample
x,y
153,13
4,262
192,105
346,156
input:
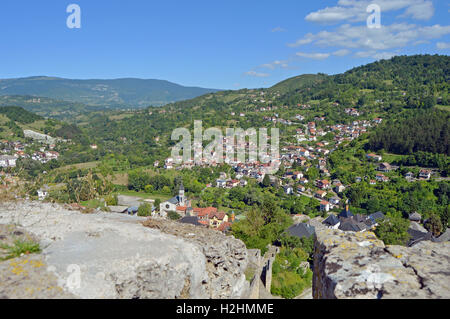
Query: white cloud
x,y
387,37
355,10
315,56
278,29
308,38
421,10
257,74
275,64
342,52
375,55
443,45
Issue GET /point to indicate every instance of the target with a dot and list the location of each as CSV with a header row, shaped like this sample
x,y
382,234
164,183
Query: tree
x,y
266,181
157,203
393,230
434,225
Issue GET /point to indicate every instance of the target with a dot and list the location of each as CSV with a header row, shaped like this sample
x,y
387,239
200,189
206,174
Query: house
x,y
232,183
301,189
425,173
384,167
171,204
375,217
297,175
339,188
335,200
8,161
224,227
409,175
352,225
323,184
303,181
320,194
417,236
301,230
332,222
204,213
324,206
221,183
374,157
381,178
358,179
372,182
288,189
217,218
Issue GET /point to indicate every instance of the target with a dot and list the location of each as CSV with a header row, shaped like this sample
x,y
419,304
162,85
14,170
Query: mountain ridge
x,y
107,93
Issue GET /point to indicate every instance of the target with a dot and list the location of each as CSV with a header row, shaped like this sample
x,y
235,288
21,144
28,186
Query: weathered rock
x,y
28,277
358,265
115,256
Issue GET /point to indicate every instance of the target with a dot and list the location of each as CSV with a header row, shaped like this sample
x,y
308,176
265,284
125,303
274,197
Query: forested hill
x,y
18,114
117,93
425,130
412,81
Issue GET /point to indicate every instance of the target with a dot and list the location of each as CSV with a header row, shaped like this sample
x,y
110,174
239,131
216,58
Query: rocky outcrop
x,y
104,255
358,265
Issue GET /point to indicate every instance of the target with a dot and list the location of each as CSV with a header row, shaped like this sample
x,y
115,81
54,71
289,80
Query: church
x,y
172,204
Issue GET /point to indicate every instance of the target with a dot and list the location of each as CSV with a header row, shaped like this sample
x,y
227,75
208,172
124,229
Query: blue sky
x,y
216,44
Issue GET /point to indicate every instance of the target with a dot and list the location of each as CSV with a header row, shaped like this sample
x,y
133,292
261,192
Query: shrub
x,y
145,210
173,215
112,200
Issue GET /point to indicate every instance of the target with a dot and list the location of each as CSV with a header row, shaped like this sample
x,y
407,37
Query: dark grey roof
x,y
417,236
348,226
352,225
302,230
331,220
377,215
190,220
174,200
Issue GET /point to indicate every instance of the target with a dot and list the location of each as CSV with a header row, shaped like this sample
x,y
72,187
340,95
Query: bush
x,y
173,215
145,210
112,200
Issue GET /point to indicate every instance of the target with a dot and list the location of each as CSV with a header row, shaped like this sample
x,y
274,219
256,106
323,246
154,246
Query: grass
x,y
93,203
86,165
20,247
443,107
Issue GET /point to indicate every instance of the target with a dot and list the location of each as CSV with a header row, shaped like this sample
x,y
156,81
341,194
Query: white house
x,y
8,161
324,206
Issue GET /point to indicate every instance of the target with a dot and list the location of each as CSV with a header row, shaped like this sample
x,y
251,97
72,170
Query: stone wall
x,y
115,256
358,265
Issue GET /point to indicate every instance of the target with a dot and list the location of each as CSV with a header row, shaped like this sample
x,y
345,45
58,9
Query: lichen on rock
x,y
358,265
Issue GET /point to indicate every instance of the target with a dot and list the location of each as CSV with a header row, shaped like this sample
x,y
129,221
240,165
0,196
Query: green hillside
x,y
298,82
46,107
